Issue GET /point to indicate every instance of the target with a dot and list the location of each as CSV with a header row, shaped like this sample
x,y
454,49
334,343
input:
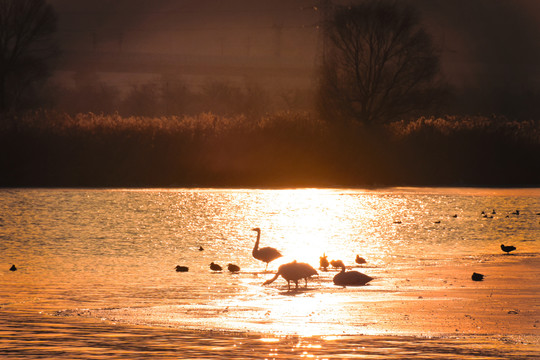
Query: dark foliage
x,y
379,65
26,28
284,149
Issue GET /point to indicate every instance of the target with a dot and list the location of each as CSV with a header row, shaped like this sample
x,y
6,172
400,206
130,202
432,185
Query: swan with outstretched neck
x,y
265,254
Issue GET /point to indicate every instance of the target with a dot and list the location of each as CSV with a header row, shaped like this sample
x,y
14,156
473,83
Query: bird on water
x,y
293,271
215,267
337,264
360,260
508,248
182,268
233,268
265,254
351,278
13,268
323,262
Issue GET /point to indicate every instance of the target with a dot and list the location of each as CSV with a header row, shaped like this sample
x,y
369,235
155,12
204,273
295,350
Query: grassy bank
x,y
283,149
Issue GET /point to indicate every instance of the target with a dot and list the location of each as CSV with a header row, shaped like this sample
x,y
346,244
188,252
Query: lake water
x,y
111,255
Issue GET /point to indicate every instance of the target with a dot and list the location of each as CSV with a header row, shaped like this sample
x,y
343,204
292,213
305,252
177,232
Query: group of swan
x,y
295,271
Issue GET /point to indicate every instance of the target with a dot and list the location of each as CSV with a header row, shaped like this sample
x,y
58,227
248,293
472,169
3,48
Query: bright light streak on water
x,y
111,253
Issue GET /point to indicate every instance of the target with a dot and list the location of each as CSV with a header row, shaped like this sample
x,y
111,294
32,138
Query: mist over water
x,y
488,52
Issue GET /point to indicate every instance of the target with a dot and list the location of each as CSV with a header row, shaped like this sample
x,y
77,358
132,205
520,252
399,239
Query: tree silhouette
x,y
379,64
26,28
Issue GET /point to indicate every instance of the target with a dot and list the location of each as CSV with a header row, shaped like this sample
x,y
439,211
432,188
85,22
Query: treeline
x,y
290,149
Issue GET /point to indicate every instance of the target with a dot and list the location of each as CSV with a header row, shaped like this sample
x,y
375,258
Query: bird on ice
x,y
265,254
477,277
351,278
233,268
508,248
360,260
293,271
337,264
323,262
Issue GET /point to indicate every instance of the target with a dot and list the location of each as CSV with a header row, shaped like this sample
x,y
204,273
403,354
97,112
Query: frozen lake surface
x,y
111,255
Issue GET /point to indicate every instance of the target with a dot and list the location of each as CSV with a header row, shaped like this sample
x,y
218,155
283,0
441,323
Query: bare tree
x,y
379,65
26,28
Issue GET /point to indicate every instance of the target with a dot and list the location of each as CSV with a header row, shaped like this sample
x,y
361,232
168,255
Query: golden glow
x,y
269,340
311,223
114,254
307,222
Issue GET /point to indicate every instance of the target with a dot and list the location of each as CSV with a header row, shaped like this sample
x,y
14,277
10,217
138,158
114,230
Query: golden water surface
x,y
109,256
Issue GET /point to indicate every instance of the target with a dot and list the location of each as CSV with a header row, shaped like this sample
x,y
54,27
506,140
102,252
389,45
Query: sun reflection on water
x,y
308,218
313,222
115,253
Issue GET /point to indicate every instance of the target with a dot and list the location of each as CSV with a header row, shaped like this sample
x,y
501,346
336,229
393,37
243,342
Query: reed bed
x,y
48,148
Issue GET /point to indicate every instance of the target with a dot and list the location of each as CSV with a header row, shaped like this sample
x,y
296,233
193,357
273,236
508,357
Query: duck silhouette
x,y
477,277
215,267
351,278
360,260
233,268
293,271
323,262
508,248
13,268
337,263
265,254
182,268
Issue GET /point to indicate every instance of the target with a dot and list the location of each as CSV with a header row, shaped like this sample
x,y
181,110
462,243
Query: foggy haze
x,y
206,38
225,93
487,43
